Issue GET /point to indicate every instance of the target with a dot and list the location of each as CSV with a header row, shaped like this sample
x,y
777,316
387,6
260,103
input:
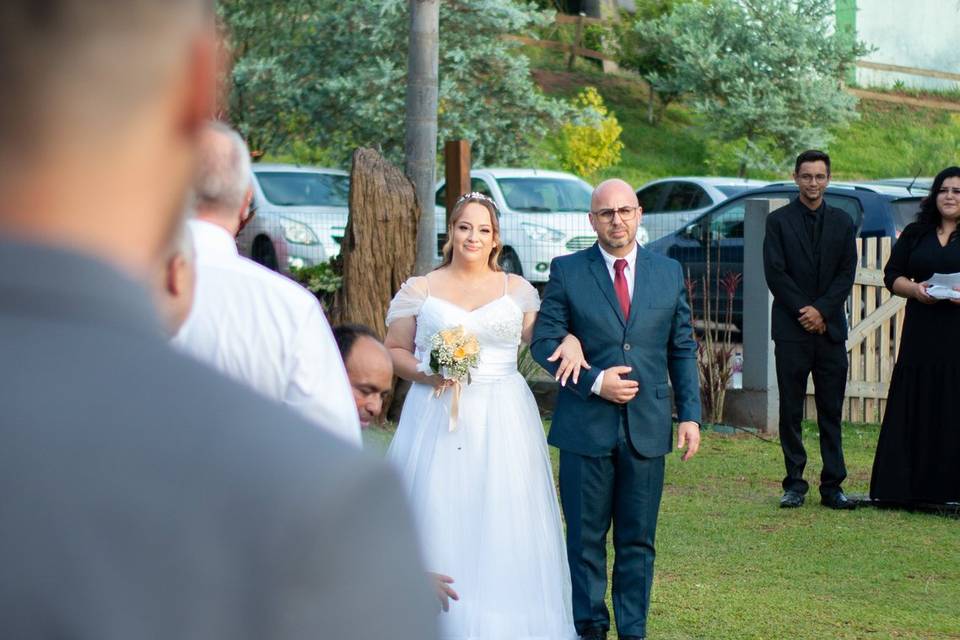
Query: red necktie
x,y
620,286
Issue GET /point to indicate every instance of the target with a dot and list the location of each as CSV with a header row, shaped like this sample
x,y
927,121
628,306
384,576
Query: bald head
x,y
611,190
222,182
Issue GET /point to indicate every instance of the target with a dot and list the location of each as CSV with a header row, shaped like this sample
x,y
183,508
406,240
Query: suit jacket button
x,y
626,346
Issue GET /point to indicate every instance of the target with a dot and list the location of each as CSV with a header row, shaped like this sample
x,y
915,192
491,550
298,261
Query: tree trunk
x,y
420,147
379,243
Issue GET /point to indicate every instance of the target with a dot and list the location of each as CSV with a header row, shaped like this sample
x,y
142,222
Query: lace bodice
x,y
497,324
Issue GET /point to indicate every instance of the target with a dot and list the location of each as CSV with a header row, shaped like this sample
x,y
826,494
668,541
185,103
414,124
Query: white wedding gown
x,y
483,494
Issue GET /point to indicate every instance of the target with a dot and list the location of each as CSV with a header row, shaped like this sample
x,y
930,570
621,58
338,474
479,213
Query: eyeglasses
x,y
625,213
807,177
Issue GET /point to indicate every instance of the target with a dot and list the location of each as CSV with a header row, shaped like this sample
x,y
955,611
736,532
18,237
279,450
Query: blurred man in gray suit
x,y
141,494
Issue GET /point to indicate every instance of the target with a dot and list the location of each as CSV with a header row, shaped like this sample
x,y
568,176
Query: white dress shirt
x,y
628,273
266,331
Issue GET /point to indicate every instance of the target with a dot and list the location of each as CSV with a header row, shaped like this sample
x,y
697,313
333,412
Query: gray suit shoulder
x,y
194,489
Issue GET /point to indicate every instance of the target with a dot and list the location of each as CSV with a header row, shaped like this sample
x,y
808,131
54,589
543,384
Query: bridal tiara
x,y
476,196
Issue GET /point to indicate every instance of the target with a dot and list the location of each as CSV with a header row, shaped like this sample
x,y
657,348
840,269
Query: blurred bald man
x,y
142,494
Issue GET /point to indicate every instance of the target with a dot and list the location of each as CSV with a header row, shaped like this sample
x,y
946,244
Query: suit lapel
x,y
599,270
641,277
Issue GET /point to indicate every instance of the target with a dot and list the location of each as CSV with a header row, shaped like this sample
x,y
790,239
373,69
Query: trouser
x,y
622,488
827,361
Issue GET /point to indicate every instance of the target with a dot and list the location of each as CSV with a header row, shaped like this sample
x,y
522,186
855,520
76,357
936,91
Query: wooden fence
x,y
876,319
573,48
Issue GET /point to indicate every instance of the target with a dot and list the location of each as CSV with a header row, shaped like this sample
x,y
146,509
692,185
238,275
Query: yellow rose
x,y
459,353
471,347
451,336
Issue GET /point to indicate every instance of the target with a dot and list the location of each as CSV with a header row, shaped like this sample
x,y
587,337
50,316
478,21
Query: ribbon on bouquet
x,y
456,387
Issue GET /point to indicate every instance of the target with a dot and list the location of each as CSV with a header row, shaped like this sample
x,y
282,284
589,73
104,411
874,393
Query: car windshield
x,y
905,211
297,188
733,189
545,194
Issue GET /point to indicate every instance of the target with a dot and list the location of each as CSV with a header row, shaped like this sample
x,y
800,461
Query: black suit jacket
x,y
794,279
143,495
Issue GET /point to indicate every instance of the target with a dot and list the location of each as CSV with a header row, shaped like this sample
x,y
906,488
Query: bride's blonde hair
x,y
494,261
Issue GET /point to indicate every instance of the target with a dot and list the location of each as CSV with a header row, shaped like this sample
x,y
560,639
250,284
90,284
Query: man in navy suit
x,y
613,425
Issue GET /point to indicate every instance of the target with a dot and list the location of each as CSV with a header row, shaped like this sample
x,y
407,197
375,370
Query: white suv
x,y
543,214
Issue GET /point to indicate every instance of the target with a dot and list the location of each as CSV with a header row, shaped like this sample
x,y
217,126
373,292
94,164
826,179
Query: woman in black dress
x,y
918,455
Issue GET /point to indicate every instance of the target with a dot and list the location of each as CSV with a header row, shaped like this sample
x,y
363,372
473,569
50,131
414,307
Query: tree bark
x,y
420,147
379,243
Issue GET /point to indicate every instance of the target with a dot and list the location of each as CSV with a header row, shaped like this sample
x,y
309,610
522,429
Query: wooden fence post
x,y
576,41
456,156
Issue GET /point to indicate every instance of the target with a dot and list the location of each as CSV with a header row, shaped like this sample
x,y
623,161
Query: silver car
x,y
301,214
670,203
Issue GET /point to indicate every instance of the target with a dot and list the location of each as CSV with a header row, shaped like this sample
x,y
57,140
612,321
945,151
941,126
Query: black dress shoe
x,y
791,500
632,637
594,634
838,501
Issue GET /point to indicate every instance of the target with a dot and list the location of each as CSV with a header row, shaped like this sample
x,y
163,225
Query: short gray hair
x,y
223,170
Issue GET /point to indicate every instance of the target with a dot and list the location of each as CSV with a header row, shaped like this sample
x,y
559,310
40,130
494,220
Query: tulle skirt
x,y
486,505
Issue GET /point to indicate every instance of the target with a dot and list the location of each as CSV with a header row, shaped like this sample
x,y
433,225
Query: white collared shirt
x,y
267,332
628,273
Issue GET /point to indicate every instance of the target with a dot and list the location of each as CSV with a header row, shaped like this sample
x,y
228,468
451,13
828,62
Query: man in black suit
x,y
810,259
142,494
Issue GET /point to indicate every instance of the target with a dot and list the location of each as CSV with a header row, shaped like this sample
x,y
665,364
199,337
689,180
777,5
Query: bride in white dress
x,y
483,494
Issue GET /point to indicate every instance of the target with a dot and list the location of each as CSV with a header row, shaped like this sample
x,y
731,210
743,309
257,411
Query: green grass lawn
x,y
732,565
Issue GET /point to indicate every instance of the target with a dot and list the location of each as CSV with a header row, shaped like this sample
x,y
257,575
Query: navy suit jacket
x,y
656,341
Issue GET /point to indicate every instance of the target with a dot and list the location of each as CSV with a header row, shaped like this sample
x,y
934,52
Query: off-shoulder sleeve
x,y
408,300
524,294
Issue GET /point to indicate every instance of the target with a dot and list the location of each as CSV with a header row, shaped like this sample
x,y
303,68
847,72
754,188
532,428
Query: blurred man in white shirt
x,y
247,321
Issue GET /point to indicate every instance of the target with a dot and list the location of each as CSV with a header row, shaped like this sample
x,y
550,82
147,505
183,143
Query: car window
x,y
480,186
545,194
476,184
905,211
685,196
292,189
851,206
651,196
732,189
727,221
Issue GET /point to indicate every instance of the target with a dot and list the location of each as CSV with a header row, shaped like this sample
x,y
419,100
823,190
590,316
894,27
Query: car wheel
x,y
263,253
510,263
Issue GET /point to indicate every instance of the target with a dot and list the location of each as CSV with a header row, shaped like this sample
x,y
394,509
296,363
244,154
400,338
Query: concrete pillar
x,y
757,405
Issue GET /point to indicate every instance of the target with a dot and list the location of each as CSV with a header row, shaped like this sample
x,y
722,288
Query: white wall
x,y
924,34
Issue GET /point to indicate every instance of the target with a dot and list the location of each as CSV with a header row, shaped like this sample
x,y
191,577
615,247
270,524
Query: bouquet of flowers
x,y
453,352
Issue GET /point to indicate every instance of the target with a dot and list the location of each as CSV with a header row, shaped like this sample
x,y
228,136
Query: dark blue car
x,y
877,210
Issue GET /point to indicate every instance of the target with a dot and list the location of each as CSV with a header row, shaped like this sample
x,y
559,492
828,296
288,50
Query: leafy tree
x,y
590,141
765,74
333,75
